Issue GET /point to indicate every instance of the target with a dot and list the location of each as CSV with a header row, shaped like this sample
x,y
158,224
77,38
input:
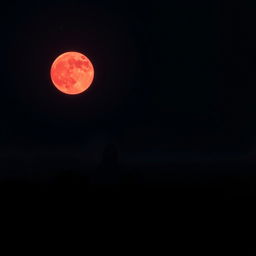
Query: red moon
x,y
72,73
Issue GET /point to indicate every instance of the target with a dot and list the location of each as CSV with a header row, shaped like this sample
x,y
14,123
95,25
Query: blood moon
x,y
72,73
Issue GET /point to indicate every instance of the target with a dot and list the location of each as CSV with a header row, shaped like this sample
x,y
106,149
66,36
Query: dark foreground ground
x,y
215,197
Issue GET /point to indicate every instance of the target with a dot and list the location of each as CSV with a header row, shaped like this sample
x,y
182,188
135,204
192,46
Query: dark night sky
x,y
176,77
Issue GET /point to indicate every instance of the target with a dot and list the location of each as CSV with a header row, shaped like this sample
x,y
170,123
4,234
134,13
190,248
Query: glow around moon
x,y
72,73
